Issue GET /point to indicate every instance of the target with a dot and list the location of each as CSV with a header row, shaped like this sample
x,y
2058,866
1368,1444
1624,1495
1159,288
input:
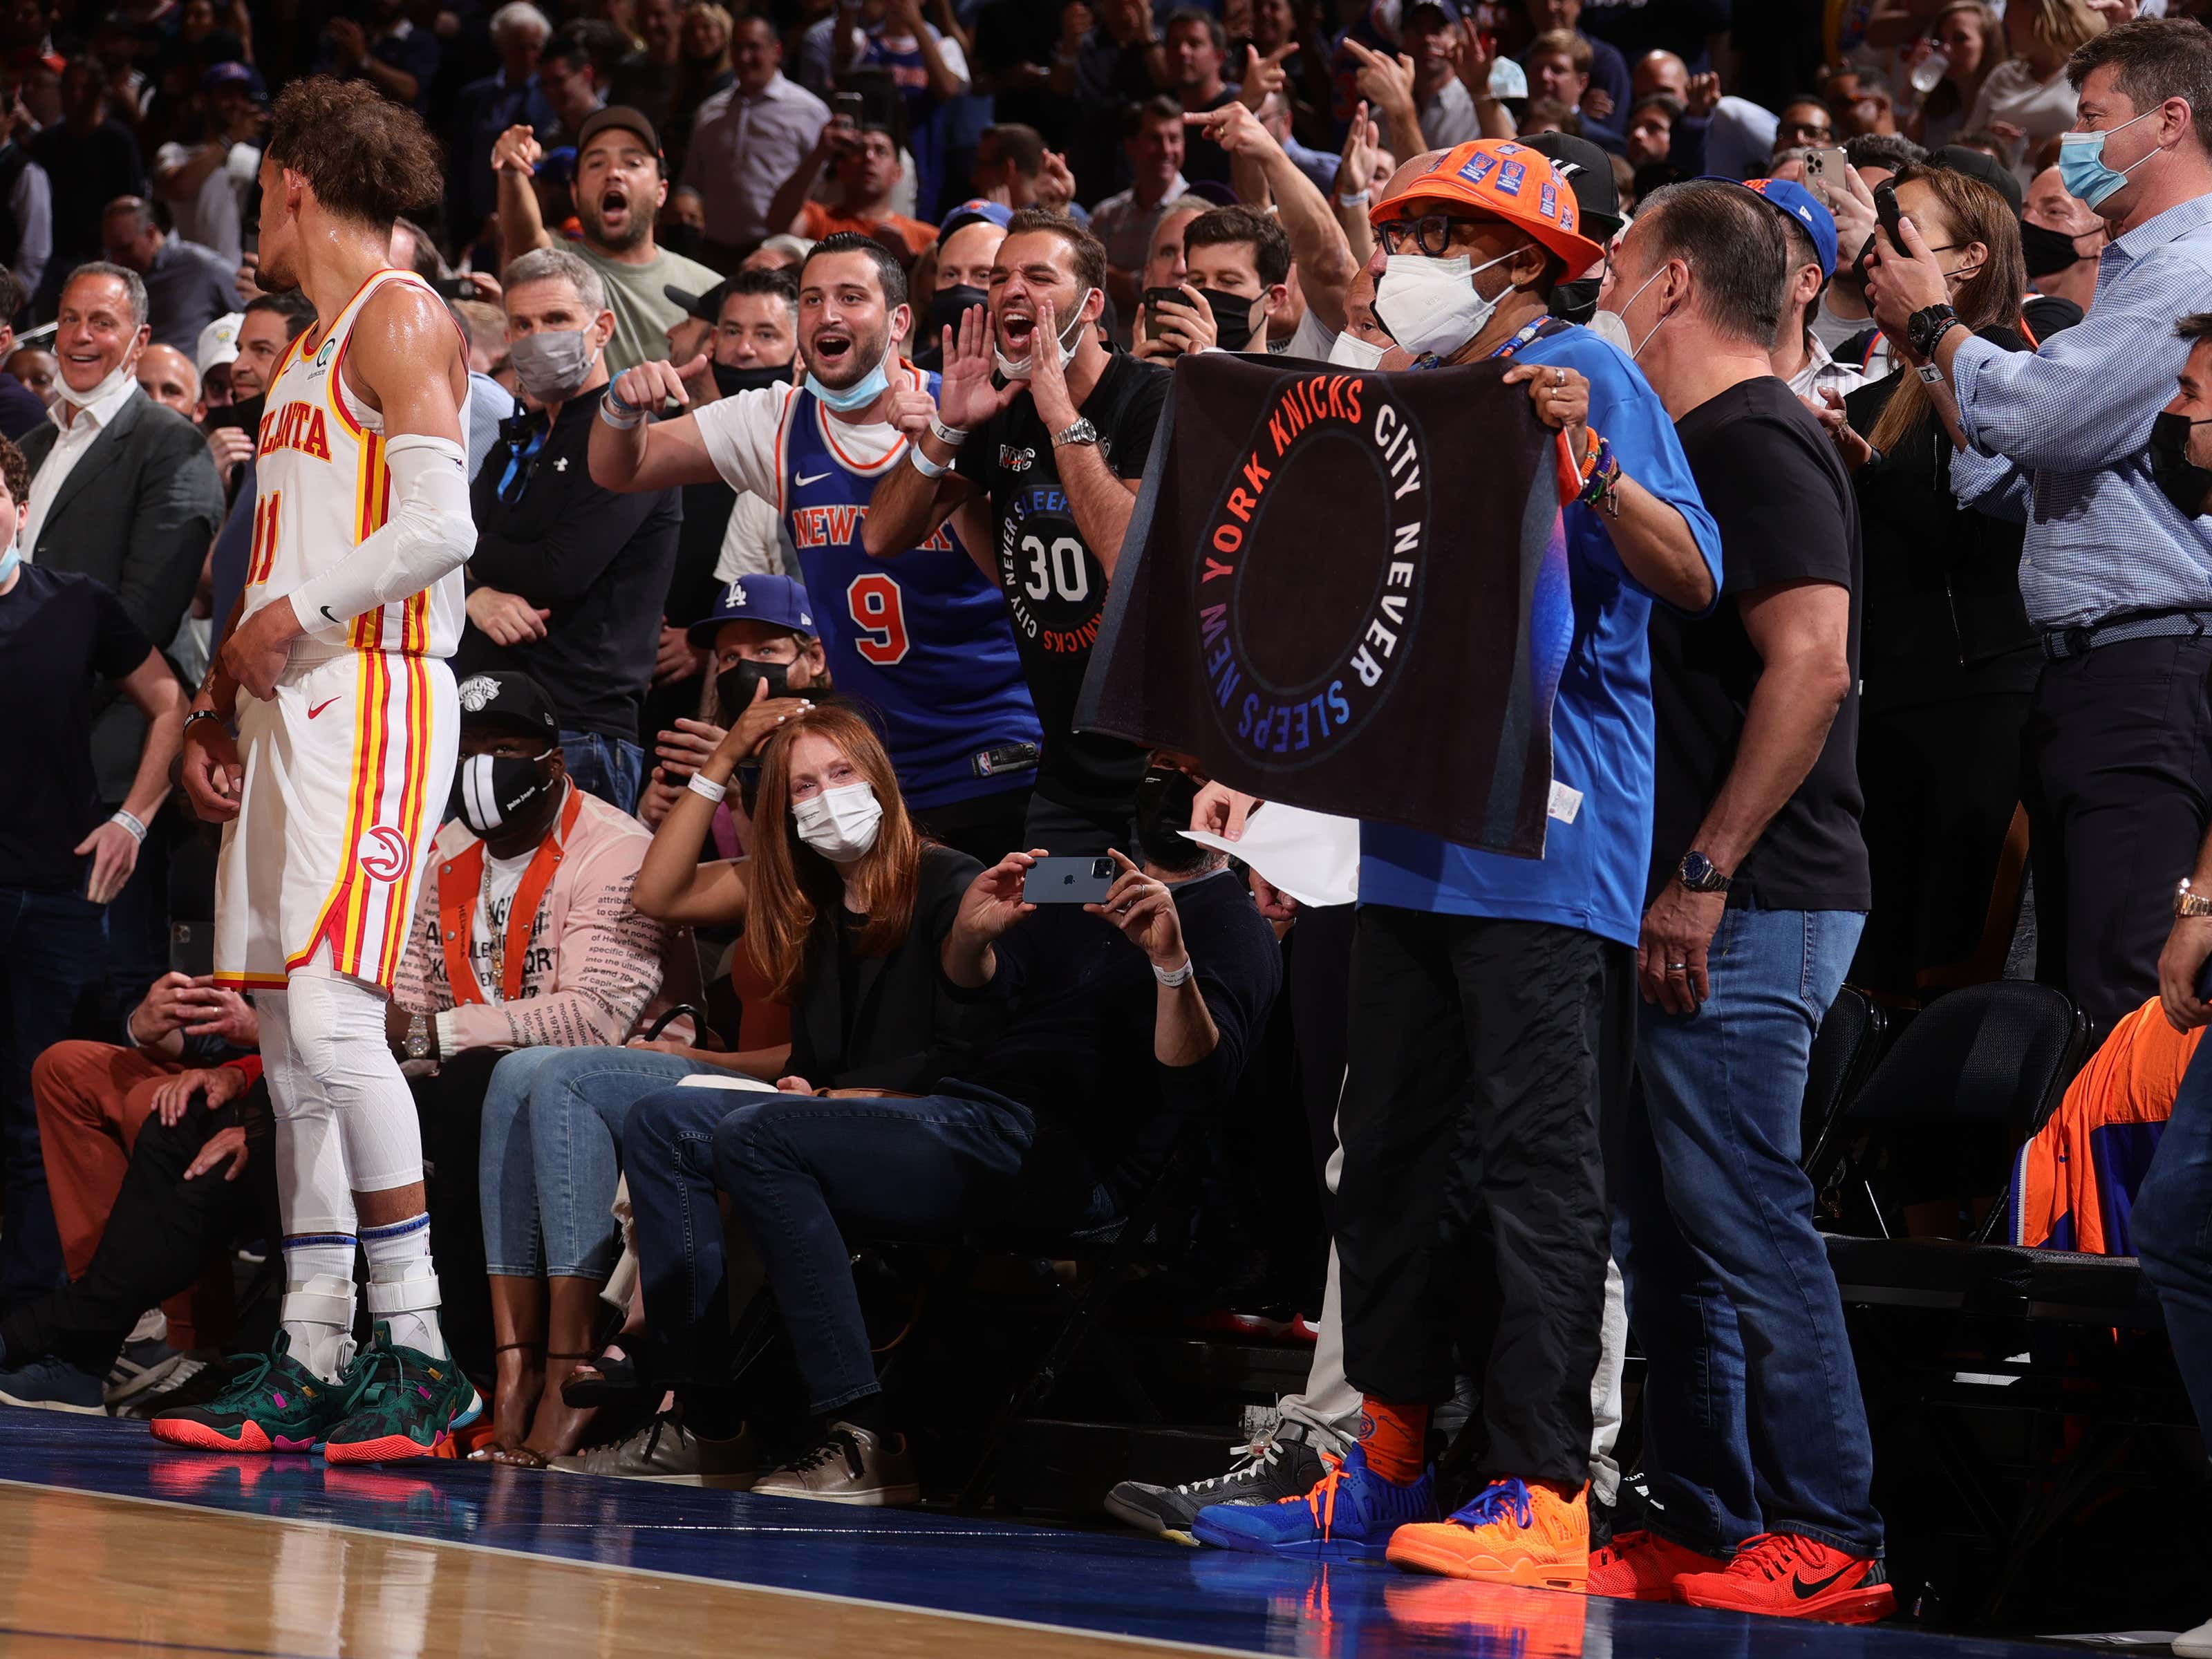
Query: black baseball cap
x,y
1979,164
504,697
621,116
707,308
1588,174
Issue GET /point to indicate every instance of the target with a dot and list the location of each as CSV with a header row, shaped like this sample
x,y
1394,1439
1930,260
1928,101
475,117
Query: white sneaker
x,y
2195,1644
852,1466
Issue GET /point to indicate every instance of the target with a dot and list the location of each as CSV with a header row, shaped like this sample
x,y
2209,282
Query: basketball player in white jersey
x,y
334,675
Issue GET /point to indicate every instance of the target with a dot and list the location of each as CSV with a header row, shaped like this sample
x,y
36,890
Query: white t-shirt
x,y
488,931
1310,338
2041,109
740,435
212,216
753,542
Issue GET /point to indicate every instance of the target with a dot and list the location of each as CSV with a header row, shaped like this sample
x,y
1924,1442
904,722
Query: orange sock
x,y
1394,1439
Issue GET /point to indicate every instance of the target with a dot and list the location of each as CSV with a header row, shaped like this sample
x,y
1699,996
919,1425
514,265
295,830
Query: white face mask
x,y
1616,330
1430,305
125,371
840,824
1350,351
1070,339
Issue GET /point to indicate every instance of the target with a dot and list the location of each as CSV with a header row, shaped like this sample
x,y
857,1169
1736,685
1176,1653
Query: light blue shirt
x,y
2062,436
489,403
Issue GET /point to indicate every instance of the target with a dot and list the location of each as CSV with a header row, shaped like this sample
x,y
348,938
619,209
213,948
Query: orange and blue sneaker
x,y
274,1404
1642,1566
402,1403
1512,1532
1349,1515
1791,1577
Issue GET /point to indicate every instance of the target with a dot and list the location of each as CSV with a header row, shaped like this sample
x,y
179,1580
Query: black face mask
x,y
685,240
2179,479
731,382
1577,301
496,791
733,689
1232,319
2048,251
1164,803
946,308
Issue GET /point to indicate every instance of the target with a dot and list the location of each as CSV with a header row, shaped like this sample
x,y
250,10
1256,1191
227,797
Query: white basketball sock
x,y
403,1285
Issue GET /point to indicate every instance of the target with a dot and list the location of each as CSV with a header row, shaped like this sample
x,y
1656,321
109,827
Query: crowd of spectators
x,y
816,355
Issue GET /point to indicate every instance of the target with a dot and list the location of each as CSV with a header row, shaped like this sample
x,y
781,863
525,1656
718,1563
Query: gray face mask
x,y
551,364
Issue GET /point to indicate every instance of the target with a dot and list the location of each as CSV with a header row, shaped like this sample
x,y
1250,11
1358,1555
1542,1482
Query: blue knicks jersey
x,y
919,639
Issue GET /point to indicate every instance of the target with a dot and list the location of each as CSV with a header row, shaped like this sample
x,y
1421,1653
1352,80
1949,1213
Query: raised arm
x,y
673,885
785,208
908,503
630,450
1318,248
514,164
1101,499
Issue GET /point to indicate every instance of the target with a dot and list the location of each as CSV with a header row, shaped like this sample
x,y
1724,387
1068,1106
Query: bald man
x,y
2052,225
1731,136
167,376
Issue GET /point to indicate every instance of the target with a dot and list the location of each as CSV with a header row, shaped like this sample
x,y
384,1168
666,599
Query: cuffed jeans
x,y
550,1156
2173,1225
800,1171
1714,1233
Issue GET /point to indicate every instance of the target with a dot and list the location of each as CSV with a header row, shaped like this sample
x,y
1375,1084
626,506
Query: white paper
x,y
1312,856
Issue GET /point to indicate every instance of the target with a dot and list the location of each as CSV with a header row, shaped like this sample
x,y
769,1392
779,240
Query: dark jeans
x,y
449,1104
2172,1225
801,1172
611,767
156,1238
2117,779
52,947
1753,1417
1472,1203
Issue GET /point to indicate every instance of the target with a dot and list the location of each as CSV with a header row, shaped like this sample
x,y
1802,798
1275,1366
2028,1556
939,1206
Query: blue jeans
x,y
668,1153
52,946
2172,1225
609,768
800,1171
551,1154
1713,1230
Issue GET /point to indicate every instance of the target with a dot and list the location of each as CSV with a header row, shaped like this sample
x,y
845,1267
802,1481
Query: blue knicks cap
x,y
969,212
1811,214
778,601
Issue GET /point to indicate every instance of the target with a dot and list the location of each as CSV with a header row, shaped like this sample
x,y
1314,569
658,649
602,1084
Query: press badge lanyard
x,y
1535,330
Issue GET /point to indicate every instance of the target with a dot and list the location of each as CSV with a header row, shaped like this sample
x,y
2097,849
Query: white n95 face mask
x,y
1430,305
1350,351
840,824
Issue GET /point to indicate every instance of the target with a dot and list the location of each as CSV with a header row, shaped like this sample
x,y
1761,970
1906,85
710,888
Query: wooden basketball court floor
x,y
109,1545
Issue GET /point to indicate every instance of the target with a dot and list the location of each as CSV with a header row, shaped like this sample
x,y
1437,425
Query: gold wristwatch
x,y
2188,903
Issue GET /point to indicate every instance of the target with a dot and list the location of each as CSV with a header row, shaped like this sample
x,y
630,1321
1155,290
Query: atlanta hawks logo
x,y
383,853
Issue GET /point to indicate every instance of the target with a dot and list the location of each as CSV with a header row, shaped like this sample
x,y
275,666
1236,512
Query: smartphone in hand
x,y
1082,880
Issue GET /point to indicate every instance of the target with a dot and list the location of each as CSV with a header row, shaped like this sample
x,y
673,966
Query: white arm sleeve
x,y
430,533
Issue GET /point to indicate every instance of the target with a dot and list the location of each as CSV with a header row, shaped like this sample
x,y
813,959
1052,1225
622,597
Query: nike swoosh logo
x,y
802,480
328,617
319,707
1806,1592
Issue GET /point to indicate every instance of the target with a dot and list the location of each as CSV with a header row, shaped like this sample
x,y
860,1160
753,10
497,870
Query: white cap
x,y
219,343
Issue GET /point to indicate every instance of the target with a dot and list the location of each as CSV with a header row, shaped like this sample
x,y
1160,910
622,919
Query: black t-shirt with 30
x,y
57,631
1055,586
1787,514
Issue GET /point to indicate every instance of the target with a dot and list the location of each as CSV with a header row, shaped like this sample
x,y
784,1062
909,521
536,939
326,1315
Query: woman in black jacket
x,y
1948,659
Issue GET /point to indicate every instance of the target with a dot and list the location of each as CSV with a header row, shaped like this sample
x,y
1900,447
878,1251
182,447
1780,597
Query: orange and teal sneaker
x,y
1512,1533
274,1404
1350,1515
1791,1577
1642,1566
402,1404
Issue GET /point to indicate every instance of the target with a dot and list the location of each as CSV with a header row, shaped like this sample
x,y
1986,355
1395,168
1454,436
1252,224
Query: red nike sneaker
x,y
1789,1576
1642,1566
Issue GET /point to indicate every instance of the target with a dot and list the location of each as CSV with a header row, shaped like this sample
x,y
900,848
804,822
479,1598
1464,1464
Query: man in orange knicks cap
x,y
1492,997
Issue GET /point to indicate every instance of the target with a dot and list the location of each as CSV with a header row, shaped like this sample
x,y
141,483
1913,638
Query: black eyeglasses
x,y
1807,129
1431,232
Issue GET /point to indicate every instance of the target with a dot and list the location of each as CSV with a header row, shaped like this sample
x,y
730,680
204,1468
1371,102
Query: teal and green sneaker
x,y
274,1404
402,1403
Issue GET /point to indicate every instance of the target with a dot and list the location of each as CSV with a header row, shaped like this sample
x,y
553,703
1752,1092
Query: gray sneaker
x,y
664,1450
852,1466
1267,1470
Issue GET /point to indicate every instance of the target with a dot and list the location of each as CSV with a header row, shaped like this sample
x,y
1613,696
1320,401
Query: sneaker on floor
x,y
51,1385
272,1403
400,1403
189,1381
1642,1566
141,1364
665,1451
1791,1576
1512,1533
1267,1471
1349,1514
852,1466
2195,1644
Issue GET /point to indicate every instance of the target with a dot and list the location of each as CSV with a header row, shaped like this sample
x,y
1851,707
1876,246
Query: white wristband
x,y
1173,977
923,465
137,829
619,414
707,788
952,435
1360,200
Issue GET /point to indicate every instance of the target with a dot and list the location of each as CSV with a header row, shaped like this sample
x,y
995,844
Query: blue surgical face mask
x,y
9,560
862,392
2082,167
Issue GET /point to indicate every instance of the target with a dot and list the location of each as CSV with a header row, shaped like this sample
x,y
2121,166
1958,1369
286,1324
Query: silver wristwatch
x,y
418,1037
2189,904
1081,433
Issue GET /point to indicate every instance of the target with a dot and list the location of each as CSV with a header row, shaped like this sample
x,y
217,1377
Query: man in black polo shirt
x,y
567,582
1057,448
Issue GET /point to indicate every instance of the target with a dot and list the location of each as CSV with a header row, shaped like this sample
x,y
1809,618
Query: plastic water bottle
x,y
1928,73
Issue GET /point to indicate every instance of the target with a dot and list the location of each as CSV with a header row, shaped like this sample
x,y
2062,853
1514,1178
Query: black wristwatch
x,y
1700,875
1926,328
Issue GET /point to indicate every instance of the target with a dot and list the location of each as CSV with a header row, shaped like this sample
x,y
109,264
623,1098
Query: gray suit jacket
x,y
136,513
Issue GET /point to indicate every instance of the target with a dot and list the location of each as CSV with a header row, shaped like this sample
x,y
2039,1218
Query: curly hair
x,y
366,158
15,472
